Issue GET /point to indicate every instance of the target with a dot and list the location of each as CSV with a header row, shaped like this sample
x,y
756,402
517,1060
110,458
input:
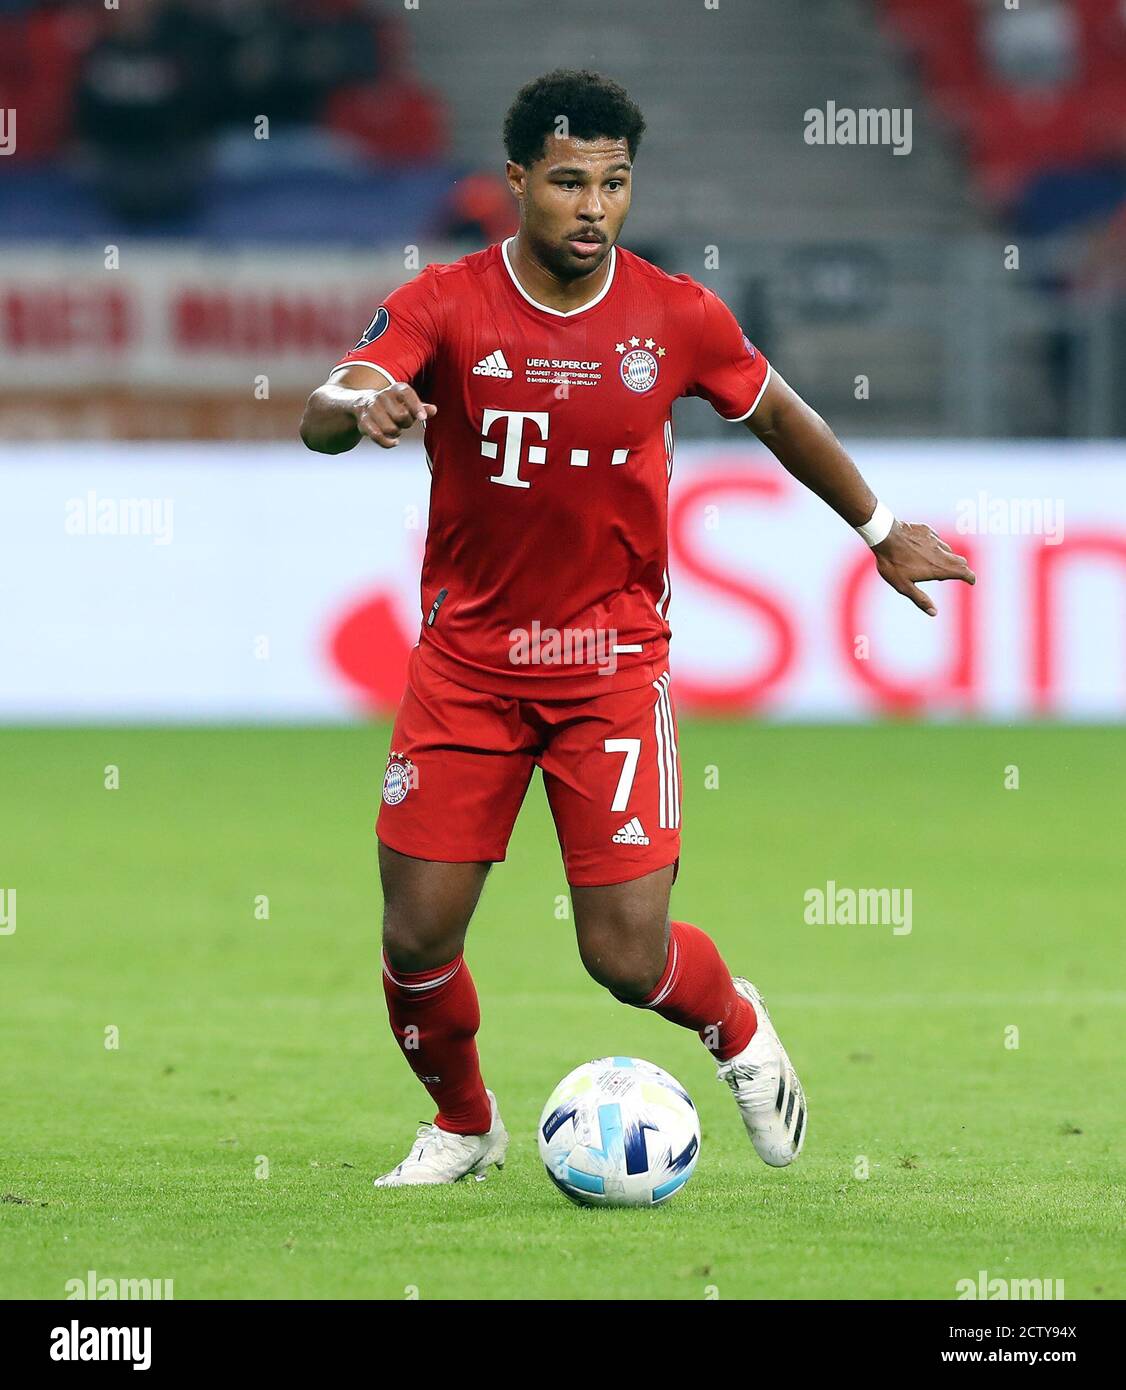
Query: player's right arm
x,y
369,392
359,400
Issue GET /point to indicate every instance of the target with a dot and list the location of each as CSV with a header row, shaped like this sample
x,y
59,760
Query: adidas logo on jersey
x,y
631,834
493,365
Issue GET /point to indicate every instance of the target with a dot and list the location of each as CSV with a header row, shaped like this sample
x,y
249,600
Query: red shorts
x,y
461,761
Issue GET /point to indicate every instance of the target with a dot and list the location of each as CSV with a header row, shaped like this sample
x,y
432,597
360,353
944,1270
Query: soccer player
x,y
544,372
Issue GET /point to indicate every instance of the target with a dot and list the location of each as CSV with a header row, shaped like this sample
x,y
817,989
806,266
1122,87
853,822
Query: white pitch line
x,y
1094,999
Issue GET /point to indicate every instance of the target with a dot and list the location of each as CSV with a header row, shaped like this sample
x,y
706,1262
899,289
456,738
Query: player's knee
x,y
628,967
402,942
416,941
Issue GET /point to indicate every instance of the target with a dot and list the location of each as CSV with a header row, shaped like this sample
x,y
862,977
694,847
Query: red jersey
x,y
545,571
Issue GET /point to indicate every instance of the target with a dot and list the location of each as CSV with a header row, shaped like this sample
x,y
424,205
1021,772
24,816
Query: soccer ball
x,y
619,1132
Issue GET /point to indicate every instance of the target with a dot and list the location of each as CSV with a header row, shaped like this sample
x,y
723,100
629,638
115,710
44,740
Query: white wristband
x,y
878,526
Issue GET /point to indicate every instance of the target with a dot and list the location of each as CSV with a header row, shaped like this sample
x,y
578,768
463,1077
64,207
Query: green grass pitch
x,y
244,1042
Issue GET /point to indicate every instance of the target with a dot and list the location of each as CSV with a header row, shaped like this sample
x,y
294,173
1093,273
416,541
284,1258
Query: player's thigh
x,y
612,773
427,907
457,772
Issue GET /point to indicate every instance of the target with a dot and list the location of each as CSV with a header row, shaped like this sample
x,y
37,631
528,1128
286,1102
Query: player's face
x,y
573,202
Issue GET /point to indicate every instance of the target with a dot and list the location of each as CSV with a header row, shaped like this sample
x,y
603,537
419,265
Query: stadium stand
x,y
384,131
143,111
1037,94
148,116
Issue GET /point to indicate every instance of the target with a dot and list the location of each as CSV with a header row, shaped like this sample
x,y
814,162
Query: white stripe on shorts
x,y
664,728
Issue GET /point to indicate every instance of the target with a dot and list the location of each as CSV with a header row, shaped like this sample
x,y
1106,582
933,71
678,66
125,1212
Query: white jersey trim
x,y
363,362
560,313
734,419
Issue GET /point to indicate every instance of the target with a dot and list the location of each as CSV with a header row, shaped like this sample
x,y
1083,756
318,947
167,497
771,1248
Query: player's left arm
x,y
809,450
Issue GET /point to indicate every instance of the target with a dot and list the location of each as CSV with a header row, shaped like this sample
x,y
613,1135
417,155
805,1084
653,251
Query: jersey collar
x,y
546,309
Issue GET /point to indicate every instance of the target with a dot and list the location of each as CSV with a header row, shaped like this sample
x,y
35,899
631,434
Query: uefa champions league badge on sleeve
x,y
639,365
375,329
398,778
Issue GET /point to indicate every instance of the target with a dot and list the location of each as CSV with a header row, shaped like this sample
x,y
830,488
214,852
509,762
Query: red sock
x,y
435,1016
696,992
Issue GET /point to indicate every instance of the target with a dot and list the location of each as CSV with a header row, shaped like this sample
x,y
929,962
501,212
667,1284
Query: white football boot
x,y
766,1089
439,1156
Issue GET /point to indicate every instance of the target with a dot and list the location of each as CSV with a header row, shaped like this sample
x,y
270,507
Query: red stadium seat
x,y
39,58
942,37
954,73
399,121
917,21
1014,133
1102,29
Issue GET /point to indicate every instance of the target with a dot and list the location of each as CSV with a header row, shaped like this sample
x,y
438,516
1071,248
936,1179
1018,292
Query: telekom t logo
x,y
509,475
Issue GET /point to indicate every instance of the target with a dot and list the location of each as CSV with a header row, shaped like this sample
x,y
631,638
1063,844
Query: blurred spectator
x,y
147,100
1102,269
157,83
397,119
1100,285
1035,45
41,47
480,209
286,62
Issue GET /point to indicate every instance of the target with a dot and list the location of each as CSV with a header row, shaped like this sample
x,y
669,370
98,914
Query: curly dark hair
x,y
593,105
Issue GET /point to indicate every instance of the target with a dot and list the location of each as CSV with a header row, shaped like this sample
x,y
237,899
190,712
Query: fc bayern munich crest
x,y
639,370
397,779
639,365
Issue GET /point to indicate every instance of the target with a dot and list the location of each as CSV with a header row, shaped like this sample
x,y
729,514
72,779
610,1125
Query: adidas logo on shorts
x,y
493,365
631,834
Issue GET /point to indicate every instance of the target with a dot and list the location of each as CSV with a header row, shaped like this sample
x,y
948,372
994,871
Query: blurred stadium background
x,y
201,202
